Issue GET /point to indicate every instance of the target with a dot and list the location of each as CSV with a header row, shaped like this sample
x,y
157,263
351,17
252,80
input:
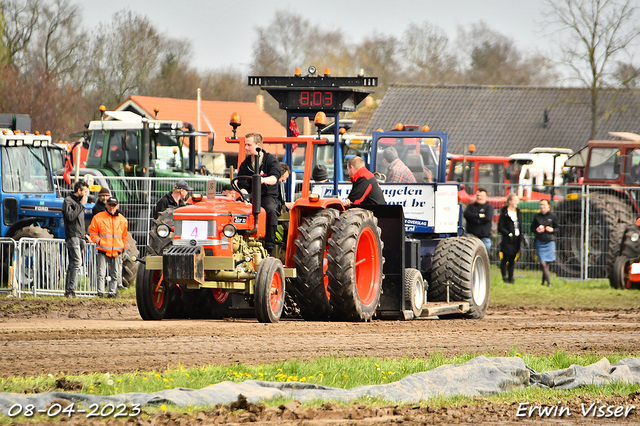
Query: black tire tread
x,y
268,267
308,288
345,302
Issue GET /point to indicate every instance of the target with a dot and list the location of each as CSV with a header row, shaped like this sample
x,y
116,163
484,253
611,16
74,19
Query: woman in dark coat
x,y
544,226
510,227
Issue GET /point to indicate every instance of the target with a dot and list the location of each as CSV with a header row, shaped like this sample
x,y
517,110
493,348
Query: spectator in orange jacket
x,y
108,230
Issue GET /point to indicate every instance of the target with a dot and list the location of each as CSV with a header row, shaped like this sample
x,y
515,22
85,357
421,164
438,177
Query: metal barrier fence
x,y
588,217
9,257
39,267
138,197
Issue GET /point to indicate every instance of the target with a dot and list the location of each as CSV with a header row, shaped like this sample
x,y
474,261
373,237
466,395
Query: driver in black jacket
x,y
269,170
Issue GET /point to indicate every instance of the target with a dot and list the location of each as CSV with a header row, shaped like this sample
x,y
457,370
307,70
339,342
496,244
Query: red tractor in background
x,y
610,171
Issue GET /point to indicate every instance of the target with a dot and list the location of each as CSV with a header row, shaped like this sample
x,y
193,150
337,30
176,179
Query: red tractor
x,y
217,250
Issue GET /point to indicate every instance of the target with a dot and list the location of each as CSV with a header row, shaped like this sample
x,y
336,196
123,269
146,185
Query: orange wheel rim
x,y
367,266
219,295
325,268
275,297
158,292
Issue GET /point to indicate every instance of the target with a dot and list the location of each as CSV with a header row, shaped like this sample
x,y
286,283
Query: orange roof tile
x,y
218,113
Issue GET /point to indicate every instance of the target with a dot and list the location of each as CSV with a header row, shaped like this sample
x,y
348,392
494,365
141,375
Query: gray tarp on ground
x,y
479,376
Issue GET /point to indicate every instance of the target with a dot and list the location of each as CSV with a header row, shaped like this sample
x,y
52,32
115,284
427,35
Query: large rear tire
x,y
32,232
269,290
129,266
310,287
414,290
605,212
355,266
463,262
152,300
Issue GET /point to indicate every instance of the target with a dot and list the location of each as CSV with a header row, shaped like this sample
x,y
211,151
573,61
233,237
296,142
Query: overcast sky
x,y
222,32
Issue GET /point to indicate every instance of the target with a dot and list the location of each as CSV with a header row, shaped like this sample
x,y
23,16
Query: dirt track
x,y
86,336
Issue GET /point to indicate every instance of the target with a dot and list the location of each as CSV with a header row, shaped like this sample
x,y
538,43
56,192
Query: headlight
x,y
229,230
634,237
163,231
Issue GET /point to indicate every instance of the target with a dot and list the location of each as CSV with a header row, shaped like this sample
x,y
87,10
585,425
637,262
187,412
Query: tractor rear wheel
x,y
309,289
605,212
355,266
463,262
414,290
129,266
269,290
151,296
32,232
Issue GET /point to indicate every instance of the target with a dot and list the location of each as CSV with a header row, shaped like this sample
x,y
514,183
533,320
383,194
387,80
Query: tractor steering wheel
x,y
234,185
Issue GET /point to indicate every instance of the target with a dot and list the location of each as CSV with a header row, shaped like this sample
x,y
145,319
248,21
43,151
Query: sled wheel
x,y
151,299
414,290
355,266
309,289
463,262
269,290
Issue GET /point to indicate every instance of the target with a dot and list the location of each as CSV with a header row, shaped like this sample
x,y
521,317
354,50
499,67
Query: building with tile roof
x,y
254,119
502,120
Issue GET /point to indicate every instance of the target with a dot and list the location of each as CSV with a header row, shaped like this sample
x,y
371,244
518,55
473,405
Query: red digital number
x,y
304,98
328,98
317,98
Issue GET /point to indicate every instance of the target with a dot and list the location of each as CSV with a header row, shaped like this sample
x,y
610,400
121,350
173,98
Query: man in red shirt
x,y
365,189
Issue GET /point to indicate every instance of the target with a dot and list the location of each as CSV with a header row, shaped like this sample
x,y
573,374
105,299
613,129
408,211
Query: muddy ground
x,y
82,336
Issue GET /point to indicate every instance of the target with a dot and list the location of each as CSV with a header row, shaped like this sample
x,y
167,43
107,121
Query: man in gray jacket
x,y
75,235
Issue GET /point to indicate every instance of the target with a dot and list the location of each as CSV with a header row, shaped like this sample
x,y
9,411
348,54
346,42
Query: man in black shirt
x,y
175,198
479,216
268,168
75,234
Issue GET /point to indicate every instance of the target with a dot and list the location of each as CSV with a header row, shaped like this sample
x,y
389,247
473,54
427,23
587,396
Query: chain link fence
x,y
590,220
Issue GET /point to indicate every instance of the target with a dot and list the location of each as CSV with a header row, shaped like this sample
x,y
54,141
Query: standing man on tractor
x,y
479,216
268,167
365,189
109,230
175,198
74,232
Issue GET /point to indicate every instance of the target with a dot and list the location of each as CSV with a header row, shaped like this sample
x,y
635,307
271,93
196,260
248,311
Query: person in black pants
x,y
544,226
268,168
510,227
479,216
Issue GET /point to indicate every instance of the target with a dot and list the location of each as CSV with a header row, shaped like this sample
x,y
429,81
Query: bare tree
x,y
59,42
20,22
495,59
124,56
593,34
227,84
379,55
427,51
627,75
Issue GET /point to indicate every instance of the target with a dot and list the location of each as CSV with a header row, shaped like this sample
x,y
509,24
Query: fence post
x,y
586,207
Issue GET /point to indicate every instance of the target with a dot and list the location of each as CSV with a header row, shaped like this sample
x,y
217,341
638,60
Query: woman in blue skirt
x,y
543,227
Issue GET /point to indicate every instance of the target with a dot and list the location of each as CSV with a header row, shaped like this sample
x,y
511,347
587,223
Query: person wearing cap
x,y
268,167
319,173
109,231
100,205
175,198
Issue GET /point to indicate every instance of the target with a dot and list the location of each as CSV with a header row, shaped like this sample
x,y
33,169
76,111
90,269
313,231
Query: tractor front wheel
x,y
151,296
619,277
269,290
